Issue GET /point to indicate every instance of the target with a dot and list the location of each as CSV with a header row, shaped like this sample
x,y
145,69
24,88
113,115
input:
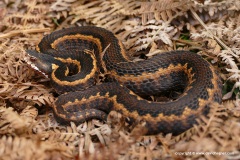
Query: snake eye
x,y
32,58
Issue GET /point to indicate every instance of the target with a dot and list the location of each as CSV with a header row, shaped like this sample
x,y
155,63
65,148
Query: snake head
x,y
40,62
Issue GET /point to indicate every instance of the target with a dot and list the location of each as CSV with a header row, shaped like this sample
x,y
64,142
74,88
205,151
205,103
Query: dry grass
x,y
28,129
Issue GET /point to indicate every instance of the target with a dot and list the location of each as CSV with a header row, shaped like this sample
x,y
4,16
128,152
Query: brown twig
x,y
17,32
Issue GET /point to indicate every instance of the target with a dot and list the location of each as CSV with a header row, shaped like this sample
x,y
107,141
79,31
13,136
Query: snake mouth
x,y
31,62
42,63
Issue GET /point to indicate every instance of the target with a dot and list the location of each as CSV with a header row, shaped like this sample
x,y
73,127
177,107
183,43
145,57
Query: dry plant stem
x,y
27,31
224,46
188,42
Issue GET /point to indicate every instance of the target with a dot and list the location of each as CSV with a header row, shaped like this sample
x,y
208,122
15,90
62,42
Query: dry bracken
x,y
28,129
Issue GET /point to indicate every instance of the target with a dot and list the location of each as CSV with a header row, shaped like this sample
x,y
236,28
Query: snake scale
x,y
74,57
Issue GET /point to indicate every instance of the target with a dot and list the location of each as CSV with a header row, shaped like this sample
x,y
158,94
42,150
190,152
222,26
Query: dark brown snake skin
x,y
74,57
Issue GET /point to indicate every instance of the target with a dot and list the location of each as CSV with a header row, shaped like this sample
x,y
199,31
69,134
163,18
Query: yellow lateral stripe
x,y
79,81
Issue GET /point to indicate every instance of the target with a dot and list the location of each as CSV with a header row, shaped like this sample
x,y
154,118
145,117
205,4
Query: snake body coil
x,y
74,57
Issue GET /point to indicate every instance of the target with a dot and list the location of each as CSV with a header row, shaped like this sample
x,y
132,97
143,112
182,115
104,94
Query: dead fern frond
x,y
62,5
144,36
29,113
61,134
45,122
217,6
210,130
233,107
213,47
212,123
209,27
37,95
11,122
32,16
163,10
31,149
95,12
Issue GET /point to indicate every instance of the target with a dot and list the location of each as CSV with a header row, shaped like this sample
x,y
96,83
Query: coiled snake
x,y
74,57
